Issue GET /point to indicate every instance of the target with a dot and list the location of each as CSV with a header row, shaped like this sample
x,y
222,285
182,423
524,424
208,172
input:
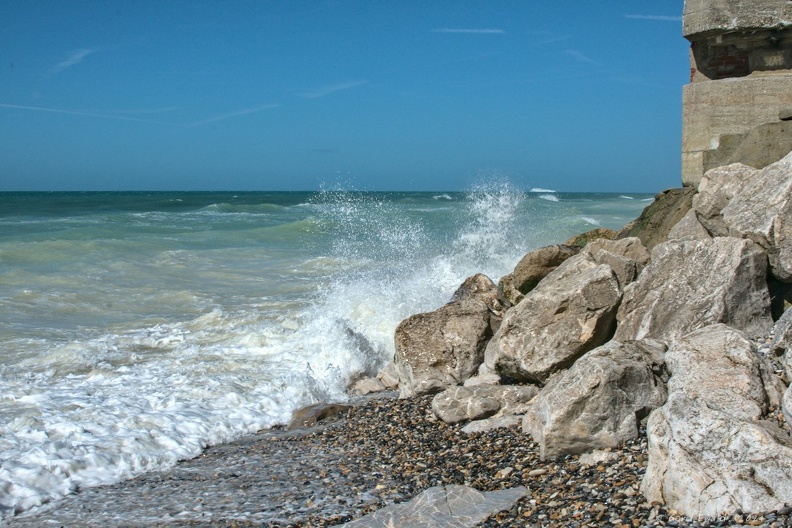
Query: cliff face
x,y
738,105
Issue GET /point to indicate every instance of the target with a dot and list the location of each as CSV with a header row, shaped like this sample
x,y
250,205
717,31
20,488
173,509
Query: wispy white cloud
x,y
470,31
81,113
332,88
664,18
75,57
580,56
246,111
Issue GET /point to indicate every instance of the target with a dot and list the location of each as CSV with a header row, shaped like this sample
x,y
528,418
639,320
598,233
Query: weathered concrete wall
x,y
702,17
739,99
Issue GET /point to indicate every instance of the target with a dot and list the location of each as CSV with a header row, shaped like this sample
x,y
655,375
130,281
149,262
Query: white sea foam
x,y
159,347
590,220
549,197
626,197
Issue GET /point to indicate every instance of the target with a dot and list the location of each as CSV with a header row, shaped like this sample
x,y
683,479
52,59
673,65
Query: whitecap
x,y
541,190
590,220
549,197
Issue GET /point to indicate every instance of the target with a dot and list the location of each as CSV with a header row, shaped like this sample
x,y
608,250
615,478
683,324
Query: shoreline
x,y
381,452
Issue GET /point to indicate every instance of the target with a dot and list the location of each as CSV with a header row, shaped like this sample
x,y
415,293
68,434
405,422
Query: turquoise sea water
x,y
138,328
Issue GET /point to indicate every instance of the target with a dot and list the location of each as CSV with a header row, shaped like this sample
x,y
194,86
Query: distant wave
x,y
626,197
549,197
589,220
442,197
249,209
647,200
541,190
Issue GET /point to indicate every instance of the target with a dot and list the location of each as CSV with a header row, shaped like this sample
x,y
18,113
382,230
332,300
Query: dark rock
x,y
657,220
311,415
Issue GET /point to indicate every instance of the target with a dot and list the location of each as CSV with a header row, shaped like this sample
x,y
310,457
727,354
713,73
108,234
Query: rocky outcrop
x,y
451,506
786,405
599,402
695,283
531,269
437,349
657,220
457,404
709,452
569,313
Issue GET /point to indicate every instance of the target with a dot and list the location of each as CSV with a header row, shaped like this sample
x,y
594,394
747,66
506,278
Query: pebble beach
x,y
383,451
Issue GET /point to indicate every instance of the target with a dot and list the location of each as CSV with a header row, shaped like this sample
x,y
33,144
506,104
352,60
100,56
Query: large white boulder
x,y
709,450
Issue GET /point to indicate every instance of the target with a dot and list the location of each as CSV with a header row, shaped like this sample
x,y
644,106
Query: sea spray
x,y
139,328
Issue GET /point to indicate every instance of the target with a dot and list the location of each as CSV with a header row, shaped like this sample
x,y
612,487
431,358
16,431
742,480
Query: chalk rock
x,y
442,348
599,402
570,312
479,287
694,283
457,404
689,228
709,452
763,213
450,506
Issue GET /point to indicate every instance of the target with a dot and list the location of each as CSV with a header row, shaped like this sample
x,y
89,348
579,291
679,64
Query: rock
x,y
627,257
718,186
584,238
451,506
478,287
365,386
597,457
389,376
484,377
709,452
657,220
600,401
763,213
788,364
442,348
786,405
457,404
689,228
488,424
537,264
310,415
570,312
672,296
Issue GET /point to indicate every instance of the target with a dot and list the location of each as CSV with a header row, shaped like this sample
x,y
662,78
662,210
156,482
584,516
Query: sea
x,y
138,328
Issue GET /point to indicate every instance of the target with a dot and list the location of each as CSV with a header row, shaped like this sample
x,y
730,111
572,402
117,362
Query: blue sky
x,y
369,94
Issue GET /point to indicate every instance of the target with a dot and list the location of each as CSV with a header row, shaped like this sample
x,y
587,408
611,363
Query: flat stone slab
x,y
452,506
